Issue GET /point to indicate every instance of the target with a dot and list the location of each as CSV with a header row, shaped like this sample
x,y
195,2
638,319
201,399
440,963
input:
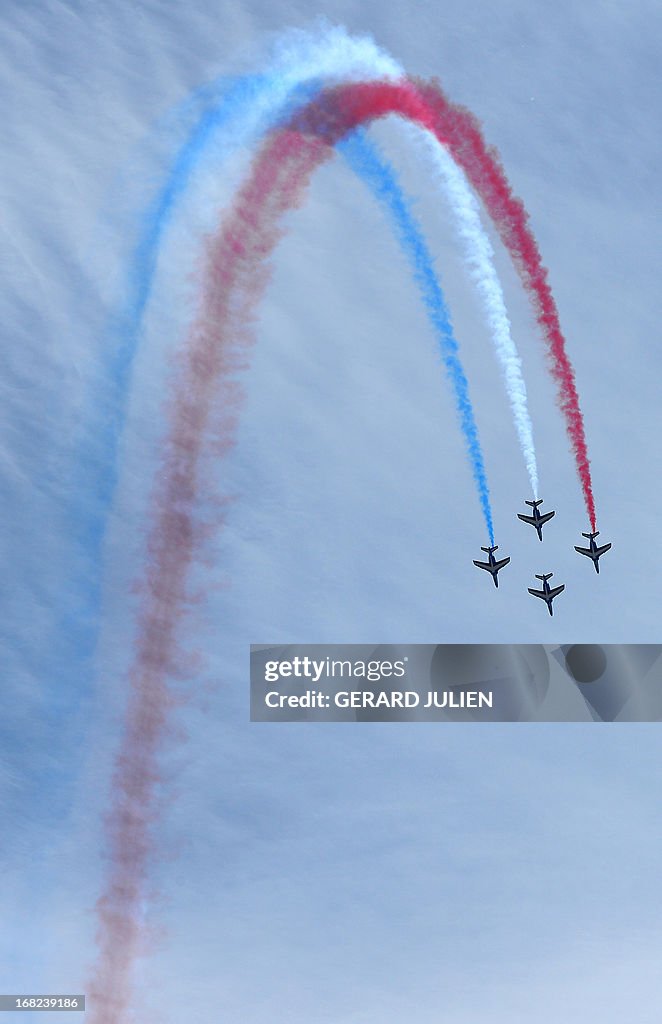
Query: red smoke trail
x,y
338,110
217,349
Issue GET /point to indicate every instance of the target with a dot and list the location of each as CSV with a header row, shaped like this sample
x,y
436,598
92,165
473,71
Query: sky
x,y
324,873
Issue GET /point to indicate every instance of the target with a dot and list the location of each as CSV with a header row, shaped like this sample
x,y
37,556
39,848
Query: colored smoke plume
x,y
216,351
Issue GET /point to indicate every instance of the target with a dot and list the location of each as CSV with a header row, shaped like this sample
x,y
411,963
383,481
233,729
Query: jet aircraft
x,y
593,551
547,593
491,565
537,519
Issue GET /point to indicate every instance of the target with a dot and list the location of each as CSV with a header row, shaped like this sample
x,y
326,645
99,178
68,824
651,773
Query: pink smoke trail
x,y
342,108
217,349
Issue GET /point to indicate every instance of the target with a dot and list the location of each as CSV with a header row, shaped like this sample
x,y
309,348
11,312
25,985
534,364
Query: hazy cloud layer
x,y
322,874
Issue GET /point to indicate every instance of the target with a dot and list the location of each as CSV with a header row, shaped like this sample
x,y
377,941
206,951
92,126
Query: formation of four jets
x,y
537,519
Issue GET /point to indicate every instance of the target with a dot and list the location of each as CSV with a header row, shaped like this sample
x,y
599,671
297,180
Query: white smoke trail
x,y
301,60
327,55
479,258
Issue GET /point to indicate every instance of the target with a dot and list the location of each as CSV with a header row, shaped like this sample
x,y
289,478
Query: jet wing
x,y
538,593
500,564
546,518
556,590
526,519
585,551
601,551
483,565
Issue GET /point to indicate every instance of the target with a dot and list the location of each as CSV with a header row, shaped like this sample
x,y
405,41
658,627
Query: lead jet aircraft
x,y
593,551
491,565
547,593
537,519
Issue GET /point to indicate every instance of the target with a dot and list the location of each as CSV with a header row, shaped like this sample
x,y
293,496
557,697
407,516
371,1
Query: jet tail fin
x,y
534,504
590,536
544,577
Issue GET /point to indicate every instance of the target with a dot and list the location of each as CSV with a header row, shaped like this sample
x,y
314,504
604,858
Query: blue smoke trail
x,y
234,113
366,162
98,457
